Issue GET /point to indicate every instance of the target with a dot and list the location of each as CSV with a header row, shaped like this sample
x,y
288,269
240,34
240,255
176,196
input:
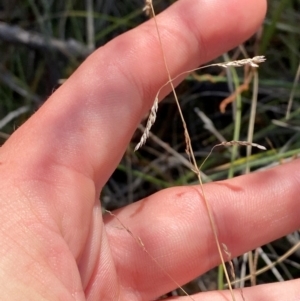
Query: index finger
x,y
107,96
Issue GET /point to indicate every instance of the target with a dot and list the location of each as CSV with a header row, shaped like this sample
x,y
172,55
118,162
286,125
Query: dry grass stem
x,y
190,152
140,243
253,62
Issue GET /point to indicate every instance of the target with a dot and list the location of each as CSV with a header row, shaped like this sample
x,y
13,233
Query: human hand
x,y
54,243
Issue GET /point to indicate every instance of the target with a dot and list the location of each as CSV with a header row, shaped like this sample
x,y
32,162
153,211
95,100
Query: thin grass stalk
x,y
251,268
237,126
63,21
270,29
290,102
90,28
248,154
237,122
252,117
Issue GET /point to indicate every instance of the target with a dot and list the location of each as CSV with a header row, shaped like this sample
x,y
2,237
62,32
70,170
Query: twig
x,y
13,114
208,124
90,29
185,162
17,35
17,86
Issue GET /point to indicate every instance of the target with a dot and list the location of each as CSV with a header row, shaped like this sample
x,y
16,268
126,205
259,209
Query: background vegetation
x,y
43,42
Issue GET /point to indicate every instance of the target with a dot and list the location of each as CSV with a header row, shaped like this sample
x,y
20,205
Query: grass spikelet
x,y
147,7
150,122
242,143
253,62
228,254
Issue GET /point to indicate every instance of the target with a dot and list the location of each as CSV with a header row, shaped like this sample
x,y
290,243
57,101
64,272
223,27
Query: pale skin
x,y
55,244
